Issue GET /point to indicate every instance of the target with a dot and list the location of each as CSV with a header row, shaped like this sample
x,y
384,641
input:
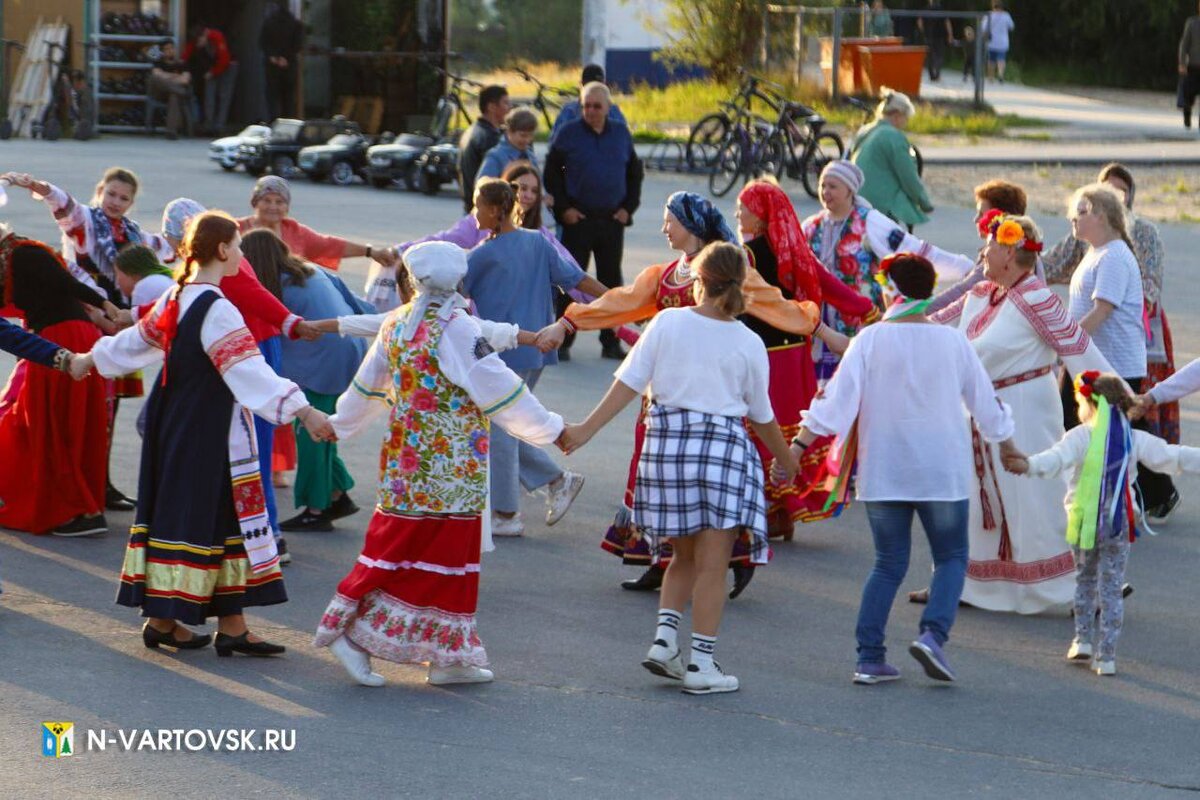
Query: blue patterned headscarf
x,y
700,217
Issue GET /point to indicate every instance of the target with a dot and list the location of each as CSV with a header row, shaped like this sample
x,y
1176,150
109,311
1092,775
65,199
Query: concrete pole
x,y
798,45
835,89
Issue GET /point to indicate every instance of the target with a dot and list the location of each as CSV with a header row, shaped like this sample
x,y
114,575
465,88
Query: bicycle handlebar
x,y
457,78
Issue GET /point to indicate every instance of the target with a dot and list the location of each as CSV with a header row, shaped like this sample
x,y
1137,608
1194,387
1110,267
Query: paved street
x,y
572,714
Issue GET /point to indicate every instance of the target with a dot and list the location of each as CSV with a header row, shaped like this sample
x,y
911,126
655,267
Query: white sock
x,y
668,628
702,652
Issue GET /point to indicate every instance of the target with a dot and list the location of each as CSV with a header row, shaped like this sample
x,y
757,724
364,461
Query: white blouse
x,y
688,360
229,345
491,385
906,385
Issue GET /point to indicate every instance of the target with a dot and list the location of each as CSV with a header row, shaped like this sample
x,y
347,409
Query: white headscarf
x,y
437,268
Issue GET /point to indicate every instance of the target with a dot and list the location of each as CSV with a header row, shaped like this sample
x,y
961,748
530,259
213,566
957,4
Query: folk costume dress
x,y
201,544
53,430
1019,560
656,288
413,594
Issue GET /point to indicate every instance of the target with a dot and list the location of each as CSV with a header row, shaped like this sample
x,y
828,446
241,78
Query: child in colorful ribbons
x,y
1102,512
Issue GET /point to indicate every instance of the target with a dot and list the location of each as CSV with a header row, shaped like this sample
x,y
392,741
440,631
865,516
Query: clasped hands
x,y
317,423
550,337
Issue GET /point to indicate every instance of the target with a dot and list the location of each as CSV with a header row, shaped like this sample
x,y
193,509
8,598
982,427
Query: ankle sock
x,y
668,628
702,651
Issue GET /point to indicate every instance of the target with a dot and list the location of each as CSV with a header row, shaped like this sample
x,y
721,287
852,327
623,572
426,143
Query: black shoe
x,y
228,645
82,526
614,351
742,575
114,500
1160,513
342,507
285,557
1126,590
152,638
649,580
308,521
564,354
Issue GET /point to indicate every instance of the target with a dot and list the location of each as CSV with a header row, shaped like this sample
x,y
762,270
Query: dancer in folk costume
x,y
92,235
779,252
412,596
201,545
699,480
53,431
1101,456
690,222
1019,329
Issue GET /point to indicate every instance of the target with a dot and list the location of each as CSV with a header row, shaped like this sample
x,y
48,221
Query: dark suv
x,y
278,152
339,159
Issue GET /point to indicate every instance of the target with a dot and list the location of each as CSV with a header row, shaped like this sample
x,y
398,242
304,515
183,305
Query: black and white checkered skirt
x,y
698,471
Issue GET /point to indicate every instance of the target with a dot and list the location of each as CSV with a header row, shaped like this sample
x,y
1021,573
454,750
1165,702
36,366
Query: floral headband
x,y
1084,383
985,222
1007,231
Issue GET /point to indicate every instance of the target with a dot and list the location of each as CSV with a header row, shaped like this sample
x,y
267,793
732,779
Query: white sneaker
x,y
1079,651
712,681
1108,667
356,662
560,499
663,661
507,526
440,676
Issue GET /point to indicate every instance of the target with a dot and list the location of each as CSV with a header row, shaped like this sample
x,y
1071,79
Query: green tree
x,y
719,35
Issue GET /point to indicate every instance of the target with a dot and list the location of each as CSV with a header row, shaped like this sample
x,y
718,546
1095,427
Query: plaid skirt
x,y
698,471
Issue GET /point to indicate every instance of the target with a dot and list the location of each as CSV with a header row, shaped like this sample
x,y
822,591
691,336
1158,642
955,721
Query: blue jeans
x,y
272,350
945,525
515,464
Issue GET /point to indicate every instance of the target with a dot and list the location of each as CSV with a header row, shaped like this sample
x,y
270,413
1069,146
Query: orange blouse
x,y
303,241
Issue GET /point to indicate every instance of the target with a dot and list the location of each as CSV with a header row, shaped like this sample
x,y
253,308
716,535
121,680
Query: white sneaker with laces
x,y
559,500
663,661
441,676
507,526
1108,667
712,681
1079,651
356,662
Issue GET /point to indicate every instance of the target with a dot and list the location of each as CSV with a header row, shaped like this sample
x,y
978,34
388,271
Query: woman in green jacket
x,y
882,152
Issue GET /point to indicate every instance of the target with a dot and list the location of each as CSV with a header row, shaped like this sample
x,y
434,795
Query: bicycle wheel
x,y
772,156
705,140
825,148
727,167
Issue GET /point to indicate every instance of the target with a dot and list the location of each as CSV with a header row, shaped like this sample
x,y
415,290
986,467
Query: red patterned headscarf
x,y
798,267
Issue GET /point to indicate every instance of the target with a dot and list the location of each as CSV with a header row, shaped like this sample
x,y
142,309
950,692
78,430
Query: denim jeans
x,y
945,524
515,463
272,350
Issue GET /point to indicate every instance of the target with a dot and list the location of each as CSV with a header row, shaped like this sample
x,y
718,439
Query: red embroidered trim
x,y
151,333
1021,572
1050,319
232,348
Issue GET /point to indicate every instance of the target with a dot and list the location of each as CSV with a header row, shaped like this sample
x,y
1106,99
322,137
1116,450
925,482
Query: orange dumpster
x,y
896,67
851,74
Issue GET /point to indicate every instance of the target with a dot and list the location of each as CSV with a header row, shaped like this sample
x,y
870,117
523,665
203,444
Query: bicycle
x,y
745,153
868,116
708,135
800,146
547,97
450,108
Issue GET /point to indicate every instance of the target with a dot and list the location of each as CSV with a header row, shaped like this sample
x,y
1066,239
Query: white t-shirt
x,y
999,25
691,361
906,384
149,289
1111,273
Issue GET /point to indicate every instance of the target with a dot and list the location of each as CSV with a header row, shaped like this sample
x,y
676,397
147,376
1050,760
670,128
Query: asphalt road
x,y
572,714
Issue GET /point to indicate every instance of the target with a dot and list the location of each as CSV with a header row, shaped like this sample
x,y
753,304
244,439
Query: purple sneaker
x,y
929,653
869,674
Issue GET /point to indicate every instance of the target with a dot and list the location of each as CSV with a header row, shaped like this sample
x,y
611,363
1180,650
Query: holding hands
x,y
573,437
1013,459
311,331
1142,403
26,181
551,337
80,365
317,424
784,471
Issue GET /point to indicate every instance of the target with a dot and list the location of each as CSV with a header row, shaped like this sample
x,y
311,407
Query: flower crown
x,y
1084,383
1007,231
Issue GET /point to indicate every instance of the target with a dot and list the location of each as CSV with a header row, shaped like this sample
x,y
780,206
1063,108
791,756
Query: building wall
x,y
19,17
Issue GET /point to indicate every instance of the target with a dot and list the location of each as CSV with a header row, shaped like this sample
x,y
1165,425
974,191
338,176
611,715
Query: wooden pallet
x,y
31,88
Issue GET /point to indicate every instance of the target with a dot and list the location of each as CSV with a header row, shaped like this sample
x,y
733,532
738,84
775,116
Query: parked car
x,y
436,166
339,159
397,161
278,152
224,151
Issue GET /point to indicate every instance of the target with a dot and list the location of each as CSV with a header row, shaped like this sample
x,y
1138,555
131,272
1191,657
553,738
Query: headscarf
x,y
138,261
799,270
847,172
269,184
178,213
700,217
437,268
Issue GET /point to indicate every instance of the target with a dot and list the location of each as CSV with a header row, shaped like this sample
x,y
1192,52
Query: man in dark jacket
x,y
595,178
1189,68
281,40
483,135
